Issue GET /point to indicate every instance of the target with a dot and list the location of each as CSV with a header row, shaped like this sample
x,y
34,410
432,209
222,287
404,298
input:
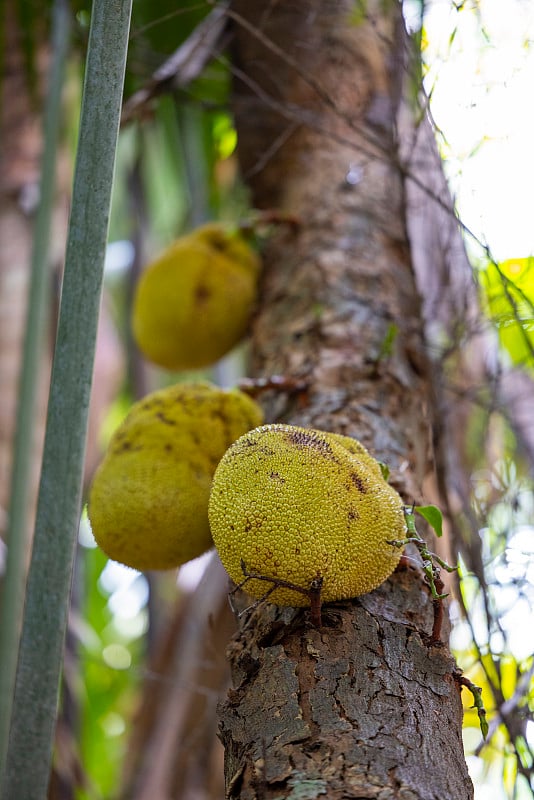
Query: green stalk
x,y
12,596
47,595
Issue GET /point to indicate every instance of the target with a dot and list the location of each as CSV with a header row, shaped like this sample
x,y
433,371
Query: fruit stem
x,y
313,592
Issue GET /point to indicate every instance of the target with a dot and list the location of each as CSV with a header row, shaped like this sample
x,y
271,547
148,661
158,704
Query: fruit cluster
x,y
293,507
149,497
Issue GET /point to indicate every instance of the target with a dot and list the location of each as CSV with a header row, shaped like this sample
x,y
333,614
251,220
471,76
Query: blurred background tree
x,y
144,666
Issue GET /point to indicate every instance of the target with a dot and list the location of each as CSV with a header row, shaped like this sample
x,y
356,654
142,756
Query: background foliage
x,y
175,169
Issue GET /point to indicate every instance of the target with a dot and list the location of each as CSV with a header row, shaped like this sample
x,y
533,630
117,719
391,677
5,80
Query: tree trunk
x,y
365,707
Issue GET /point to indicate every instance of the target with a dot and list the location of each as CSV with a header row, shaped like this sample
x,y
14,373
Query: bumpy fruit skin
x,y
148,504
357,449
298,504
192,305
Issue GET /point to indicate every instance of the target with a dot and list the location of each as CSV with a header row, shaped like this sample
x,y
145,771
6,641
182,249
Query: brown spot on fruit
x,y
358,482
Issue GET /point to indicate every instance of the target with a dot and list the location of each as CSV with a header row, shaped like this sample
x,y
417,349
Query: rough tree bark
x,y
364,707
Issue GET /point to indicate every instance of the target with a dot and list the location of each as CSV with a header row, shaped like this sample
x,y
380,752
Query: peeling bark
x,y
364,707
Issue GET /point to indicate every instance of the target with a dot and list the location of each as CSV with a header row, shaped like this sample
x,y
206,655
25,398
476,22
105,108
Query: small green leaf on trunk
x,y
384,469
433,516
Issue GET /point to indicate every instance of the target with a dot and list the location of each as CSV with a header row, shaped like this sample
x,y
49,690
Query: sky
x,y
481,80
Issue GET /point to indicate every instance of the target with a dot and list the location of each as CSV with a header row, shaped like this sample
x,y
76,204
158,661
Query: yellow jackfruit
x,y
357,449
298,504
148,504
192,305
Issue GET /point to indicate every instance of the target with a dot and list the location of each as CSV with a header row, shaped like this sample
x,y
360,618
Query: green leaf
x,y
509,298
433,516
384,469
358,14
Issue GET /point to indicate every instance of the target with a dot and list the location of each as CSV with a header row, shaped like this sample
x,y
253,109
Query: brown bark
x,y
364,707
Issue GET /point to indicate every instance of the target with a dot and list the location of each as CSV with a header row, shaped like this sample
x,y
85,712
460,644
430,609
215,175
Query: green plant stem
x,y
12,596
47,595
478,702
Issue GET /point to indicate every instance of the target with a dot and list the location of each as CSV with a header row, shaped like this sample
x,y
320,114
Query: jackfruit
x,y
148,504
296,504
357,449
193,304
